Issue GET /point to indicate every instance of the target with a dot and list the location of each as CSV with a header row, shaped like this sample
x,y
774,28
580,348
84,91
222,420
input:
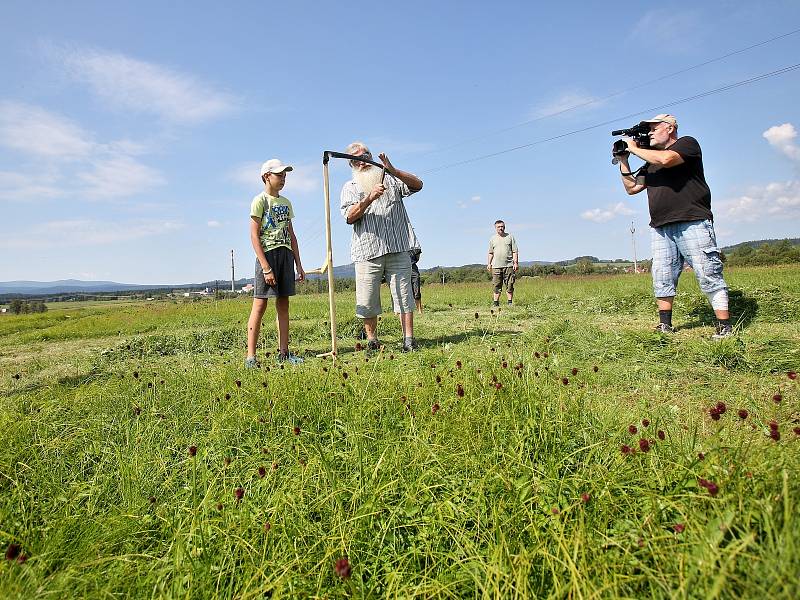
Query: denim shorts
x,y
396,267
691,242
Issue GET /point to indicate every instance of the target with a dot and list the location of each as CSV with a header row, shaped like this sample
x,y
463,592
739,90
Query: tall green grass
x,y
489,464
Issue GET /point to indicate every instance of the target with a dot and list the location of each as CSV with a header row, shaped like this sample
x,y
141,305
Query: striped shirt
x,y
384,228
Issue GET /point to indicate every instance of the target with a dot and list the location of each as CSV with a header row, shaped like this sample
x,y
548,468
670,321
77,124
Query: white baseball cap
x,y
274,165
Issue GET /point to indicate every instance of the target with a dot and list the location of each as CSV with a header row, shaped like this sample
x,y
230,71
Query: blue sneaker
x,y
290,358
251,362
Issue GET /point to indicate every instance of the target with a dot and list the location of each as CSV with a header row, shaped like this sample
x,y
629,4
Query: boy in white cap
x,y
277,255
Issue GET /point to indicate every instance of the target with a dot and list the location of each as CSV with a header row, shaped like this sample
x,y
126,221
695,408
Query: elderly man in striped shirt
x,y
380,242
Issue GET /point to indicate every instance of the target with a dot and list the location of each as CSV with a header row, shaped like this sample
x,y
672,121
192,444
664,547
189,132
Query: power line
x,y
611,95
628,116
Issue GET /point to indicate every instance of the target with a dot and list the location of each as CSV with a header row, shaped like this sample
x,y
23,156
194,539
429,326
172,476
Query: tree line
x,y
779,253
24,307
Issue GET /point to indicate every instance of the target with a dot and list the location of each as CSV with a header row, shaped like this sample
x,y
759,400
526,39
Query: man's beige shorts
x,y
396,267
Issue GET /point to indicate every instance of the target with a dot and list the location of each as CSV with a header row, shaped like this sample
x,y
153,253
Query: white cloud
x,y
139,86
782,138
475,199
775,200
20,187
302,179
603,215
214,224
118,176
564,102
664,27
86,232
35,131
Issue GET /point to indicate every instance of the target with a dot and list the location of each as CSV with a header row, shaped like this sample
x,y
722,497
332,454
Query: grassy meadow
x,y
558,448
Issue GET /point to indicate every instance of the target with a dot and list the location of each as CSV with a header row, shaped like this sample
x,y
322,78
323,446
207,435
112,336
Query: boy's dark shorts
x,y
282,262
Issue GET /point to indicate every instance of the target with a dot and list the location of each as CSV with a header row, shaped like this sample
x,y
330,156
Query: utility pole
x,y
233,278
633,240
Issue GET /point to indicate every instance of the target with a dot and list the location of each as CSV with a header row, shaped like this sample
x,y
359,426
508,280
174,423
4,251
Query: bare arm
x,y
255,240
515,257
631,183
413,182
301,274
489,261
662,158
359,208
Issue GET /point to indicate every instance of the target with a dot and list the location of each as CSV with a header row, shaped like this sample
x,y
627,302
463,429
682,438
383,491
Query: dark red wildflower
x,y
192,450
626,449
565,381
721,408
498,386
450,304
262,472
536,354
342,568
345,375
505,365
227,396
274,466
435,408
661,435
777,398
359,347
714,413
149,385
438,379
152,499
554,510
460,390
546,354
585,497
238,494
458,364
136,374
644,444
219,506
632,429
775,434
712,487
679,527
137,410
645,422
13,551
238,383
796,430
267,526
743,414
791,375
701,456
296,430
476,315
773,425
574,371
16,376
595,368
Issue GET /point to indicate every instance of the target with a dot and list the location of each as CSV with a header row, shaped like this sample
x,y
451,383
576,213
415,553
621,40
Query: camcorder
x,y
639,133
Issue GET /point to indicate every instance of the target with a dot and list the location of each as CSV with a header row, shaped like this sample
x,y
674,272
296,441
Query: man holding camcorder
x,y
680,215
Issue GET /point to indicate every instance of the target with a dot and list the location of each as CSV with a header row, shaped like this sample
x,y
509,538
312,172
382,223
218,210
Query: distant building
x,y
246,289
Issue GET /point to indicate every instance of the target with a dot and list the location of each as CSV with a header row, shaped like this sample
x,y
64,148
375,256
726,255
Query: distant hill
x,y
69,286
758,243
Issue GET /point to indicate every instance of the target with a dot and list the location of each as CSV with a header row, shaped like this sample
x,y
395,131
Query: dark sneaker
x,y
412,347
290,358
664,328
510,303
251,362
496,303
373,346
723,331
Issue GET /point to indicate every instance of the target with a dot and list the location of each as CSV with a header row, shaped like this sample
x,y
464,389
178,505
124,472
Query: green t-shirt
x,y
275,214
502,248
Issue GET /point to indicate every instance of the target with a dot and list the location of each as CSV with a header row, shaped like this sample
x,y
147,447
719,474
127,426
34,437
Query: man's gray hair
x,y
357,144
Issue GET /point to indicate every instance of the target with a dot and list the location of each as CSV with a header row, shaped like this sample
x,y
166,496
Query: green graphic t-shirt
x,y
275,214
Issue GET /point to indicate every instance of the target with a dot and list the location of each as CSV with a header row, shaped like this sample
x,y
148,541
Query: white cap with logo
x,y
274,165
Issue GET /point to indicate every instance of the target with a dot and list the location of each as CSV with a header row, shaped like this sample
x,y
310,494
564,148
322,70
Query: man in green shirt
x,y
503,262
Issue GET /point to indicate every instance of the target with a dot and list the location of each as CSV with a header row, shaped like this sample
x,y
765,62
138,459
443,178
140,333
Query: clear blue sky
x,y
131,133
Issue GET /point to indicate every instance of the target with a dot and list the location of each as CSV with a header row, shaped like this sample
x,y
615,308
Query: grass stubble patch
x,y
557,448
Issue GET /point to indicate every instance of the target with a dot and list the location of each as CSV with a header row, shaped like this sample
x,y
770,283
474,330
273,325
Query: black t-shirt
x,y
678,194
